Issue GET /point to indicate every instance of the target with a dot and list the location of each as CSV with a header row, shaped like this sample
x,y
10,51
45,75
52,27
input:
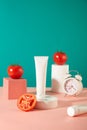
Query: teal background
x,y
41,27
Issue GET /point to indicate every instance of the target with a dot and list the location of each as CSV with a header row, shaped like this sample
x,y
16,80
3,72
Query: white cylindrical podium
x,y
48,102
58,75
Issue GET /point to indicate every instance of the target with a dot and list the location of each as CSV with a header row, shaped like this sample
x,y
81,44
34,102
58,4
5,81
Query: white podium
x,y
58,75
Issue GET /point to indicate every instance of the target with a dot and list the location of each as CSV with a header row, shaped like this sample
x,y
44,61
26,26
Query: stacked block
x,y
14,88
59,73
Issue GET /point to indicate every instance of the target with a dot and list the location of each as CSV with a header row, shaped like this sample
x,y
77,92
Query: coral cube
x,y
13,88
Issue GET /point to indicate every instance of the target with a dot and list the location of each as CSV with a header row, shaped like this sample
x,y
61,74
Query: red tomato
x,y
15,71
26,102
60,58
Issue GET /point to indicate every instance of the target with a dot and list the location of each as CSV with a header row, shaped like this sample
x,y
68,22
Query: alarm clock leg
x,y
65,95
75,95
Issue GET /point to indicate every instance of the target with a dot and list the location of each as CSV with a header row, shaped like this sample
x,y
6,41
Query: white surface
x,y
59,73
41,69
48,102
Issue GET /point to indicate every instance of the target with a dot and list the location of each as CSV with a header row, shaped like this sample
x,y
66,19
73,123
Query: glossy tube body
x,y
77,110
41,70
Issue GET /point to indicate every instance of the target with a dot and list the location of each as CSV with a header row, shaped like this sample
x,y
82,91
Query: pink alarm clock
x,y
73,84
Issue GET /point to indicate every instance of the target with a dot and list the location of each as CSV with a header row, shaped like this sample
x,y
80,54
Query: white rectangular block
x,y
58,75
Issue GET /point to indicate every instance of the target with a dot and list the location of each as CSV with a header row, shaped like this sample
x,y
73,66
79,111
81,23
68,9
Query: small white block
x,y
48,102
59,73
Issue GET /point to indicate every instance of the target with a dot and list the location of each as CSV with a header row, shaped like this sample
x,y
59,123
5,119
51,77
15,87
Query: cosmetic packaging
x,y
41,70
77,110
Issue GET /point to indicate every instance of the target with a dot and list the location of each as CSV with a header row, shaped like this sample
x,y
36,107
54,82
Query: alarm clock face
x,y
71,86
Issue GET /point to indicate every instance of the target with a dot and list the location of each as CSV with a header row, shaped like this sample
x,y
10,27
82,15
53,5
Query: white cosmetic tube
x,y
41,69
76,110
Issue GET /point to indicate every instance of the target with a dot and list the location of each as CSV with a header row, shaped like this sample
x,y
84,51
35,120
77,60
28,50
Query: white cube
x,y
58,75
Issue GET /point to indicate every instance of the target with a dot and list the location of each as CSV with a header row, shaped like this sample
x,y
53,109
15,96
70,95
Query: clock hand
x,y
74,88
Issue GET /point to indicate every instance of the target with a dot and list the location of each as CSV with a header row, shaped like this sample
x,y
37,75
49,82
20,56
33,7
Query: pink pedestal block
x,y
13,88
